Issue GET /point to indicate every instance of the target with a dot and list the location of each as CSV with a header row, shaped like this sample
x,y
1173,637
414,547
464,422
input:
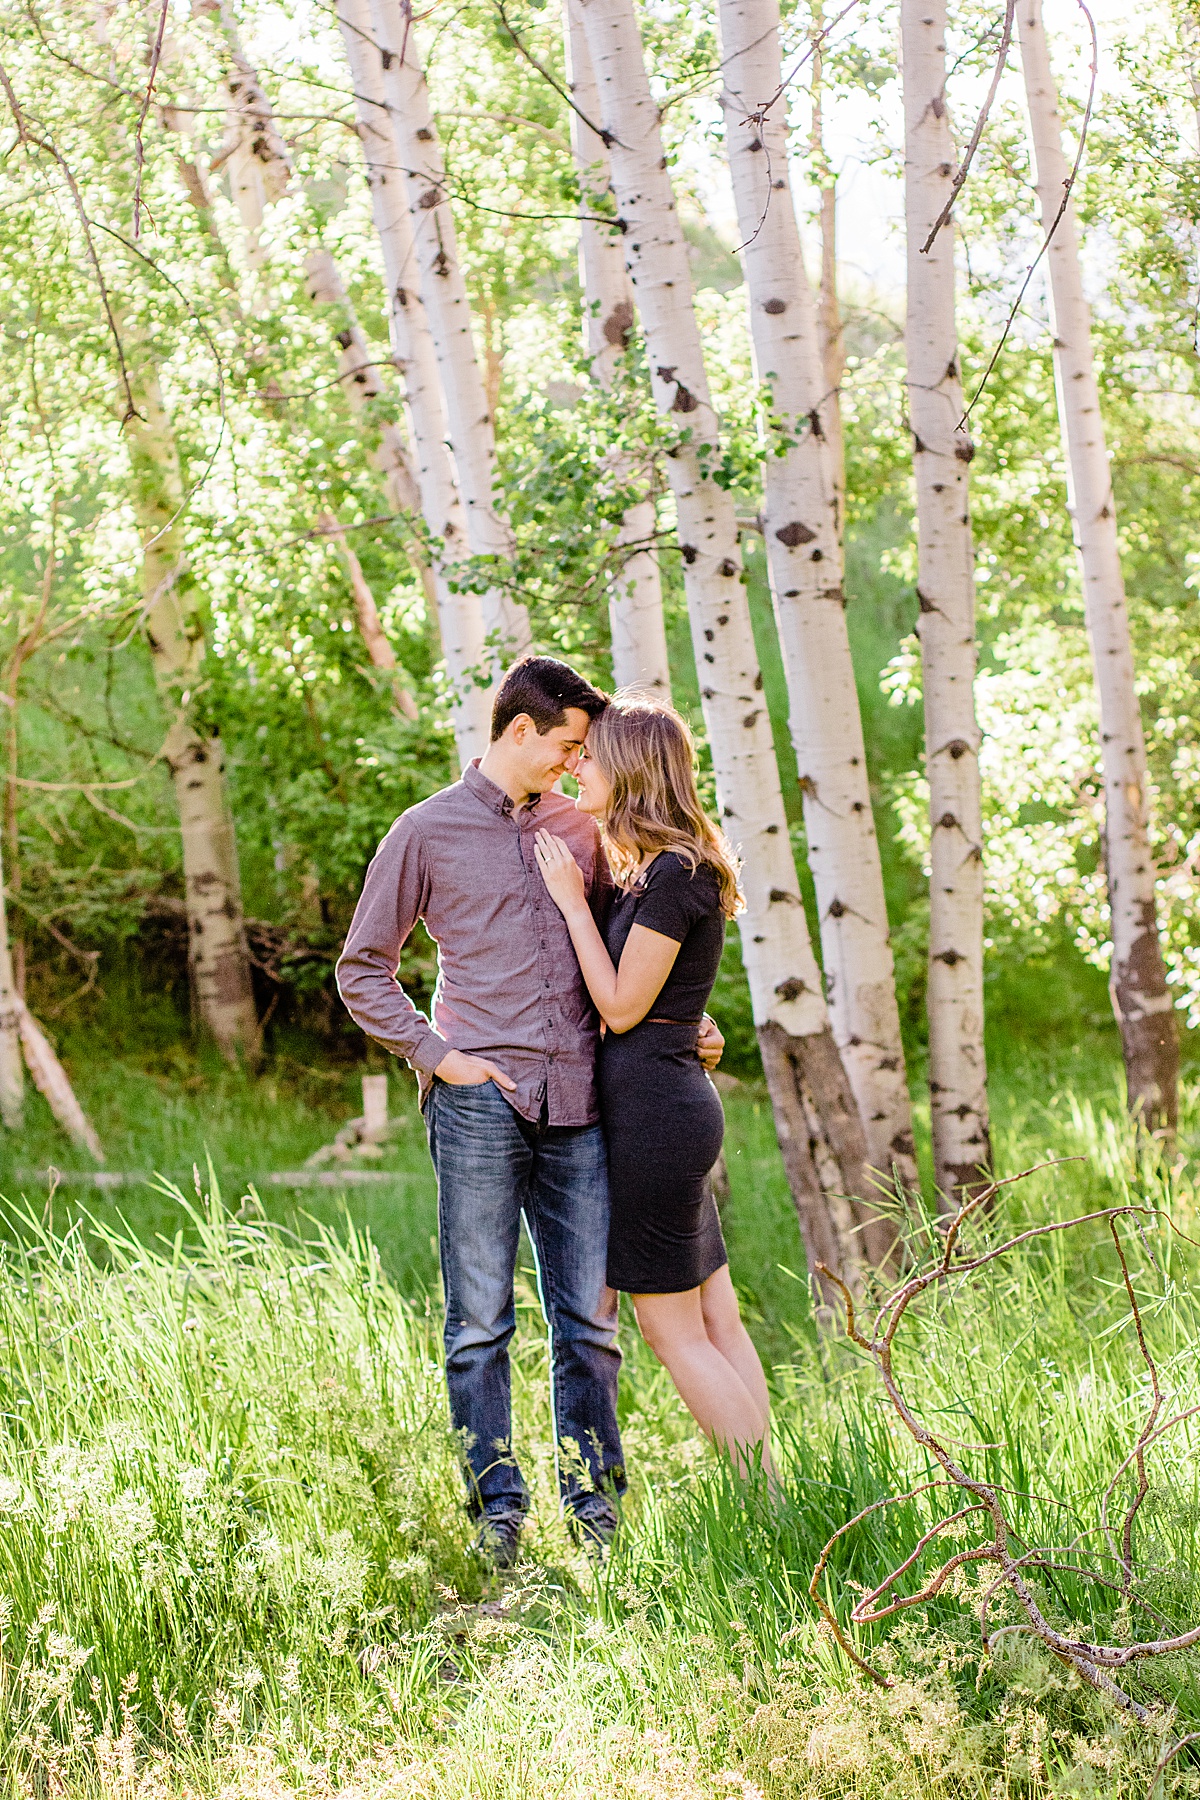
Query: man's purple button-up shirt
x,y
508,984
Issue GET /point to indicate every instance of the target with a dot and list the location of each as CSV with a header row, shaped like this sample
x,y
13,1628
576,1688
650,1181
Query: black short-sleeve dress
x,y
662,1115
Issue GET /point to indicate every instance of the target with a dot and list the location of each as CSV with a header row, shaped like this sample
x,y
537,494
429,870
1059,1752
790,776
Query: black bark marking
x,y
795,533
618,327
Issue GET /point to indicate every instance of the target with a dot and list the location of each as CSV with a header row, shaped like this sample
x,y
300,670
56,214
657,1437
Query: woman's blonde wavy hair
x,y
645,750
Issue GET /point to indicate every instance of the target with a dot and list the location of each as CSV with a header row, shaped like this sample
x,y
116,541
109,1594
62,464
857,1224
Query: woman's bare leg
x,y
709,1385
726,1333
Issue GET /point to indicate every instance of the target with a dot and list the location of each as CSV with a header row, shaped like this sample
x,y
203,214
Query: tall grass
x,y
233,1554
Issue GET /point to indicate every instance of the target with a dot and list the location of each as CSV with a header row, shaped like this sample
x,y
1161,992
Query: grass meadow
x,y
234,1558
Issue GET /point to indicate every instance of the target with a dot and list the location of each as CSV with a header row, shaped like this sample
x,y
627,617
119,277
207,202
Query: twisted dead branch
x,y
1091,1661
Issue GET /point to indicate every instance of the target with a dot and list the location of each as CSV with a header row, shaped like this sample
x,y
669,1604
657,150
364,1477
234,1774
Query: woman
x,y
650,972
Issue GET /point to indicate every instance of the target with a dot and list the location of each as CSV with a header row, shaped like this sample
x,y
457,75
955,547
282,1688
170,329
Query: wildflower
x,y
193,1480
12,1495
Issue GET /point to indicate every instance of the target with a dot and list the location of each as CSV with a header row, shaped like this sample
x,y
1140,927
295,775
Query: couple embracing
x,y
563,1075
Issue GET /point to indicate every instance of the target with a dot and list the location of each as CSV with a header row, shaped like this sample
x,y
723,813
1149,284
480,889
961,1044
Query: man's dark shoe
x,y
594,1531
498,1539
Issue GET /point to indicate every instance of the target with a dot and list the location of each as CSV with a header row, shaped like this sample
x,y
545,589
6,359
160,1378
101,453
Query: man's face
x,y
546,756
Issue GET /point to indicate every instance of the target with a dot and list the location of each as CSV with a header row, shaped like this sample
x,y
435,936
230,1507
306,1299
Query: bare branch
x,y
1068,186
606,137
138,145
27,136
1169,1756
981,121
1091,1661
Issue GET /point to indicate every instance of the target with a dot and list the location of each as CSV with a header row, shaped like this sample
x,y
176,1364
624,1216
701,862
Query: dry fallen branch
x,y
1091,1661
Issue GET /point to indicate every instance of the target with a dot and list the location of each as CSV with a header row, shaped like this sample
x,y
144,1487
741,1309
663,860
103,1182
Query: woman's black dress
x,y
662,1115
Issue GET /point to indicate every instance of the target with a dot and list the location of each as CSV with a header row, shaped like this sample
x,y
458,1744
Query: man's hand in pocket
x,y
710,1044
459,1069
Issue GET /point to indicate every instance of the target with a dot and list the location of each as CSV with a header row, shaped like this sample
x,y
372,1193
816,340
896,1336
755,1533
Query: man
x,y
507,1077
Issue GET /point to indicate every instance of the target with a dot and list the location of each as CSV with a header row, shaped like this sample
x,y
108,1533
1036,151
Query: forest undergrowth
x,y
233,1556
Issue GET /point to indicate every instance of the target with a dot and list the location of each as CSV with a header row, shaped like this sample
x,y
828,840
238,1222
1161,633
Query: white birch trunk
x,y
829,312
12,1081
217,952
819,1127
460,615
444,295
946,627
53,1082
1138,984
362,381
639,638
804,555
259,166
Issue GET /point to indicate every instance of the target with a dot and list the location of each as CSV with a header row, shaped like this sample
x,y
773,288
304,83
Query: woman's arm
x,y
622,996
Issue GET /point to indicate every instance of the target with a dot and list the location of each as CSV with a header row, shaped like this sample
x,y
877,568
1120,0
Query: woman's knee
x,y
668,1323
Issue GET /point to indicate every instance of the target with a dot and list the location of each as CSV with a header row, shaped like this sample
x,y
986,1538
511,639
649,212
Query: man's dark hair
x,y
543,687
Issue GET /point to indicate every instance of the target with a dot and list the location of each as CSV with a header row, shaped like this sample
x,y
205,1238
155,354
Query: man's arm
x,y
395,894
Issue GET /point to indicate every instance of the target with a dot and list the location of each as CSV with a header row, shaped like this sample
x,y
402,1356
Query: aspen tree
x,y
217,952
459,620
259,166
942,450
1138,984
443,292
819,1127
12,1078
804,556
370,625
639,639
829,312
260,172
460,615
362,381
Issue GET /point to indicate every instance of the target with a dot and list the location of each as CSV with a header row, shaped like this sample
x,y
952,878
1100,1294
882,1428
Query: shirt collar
x,y
485,789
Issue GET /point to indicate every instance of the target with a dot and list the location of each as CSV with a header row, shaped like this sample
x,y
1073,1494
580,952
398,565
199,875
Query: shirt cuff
x,y
428,1051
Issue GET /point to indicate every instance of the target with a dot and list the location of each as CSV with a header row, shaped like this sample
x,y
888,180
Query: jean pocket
x,y
466,1088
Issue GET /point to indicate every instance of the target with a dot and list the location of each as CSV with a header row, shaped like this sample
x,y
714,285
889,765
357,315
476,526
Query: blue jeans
x,y
492,1165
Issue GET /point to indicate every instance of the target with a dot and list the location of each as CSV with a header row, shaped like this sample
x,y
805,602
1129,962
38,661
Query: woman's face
x,y
595,789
